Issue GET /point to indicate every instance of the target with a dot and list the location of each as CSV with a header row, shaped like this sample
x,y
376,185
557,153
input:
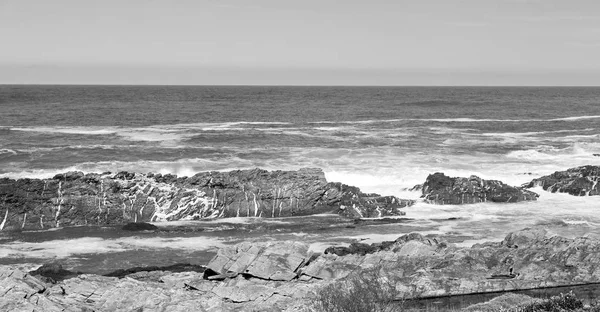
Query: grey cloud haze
x,y
291,42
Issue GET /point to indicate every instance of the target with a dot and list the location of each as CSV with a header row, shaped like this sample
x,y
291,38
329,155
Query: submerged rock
x,y
74,198
139,226
53,272
443,190
579,181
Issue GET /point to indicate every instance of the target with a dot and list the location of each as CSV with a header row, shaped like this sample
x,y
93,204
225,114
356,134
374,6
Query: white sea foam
x,y
575,118
466,120
69,130
95,245
533,133
7,151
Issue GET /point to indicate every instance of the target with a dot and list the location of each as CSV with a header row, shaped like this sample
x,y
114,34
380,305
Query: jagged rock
x,y
416,188
23,292
443,190
579,181
269,261
427,267
354,248
74,198
139,226
419,266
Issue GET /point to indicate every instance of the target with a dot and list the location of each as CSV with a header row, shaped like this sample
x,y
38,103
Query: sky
x,y
300,42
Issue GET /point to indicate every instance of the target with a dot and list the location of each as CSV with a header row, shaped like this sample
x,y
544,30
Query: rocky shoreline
x,y
282,275
75,198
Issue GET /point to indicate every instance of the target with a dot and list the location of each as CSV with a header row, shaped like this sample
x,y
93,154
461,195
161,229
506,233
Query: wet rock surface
x,y
579,181
53,272
440,189
74,198
139,226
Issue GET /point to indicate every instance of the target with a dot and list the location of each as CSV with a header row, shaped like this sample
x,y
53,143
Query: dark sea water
x,y
382,139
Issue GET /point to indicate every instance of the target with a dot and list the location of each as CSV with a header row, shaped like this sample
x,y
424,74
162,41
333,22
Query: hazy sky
x,y
395,42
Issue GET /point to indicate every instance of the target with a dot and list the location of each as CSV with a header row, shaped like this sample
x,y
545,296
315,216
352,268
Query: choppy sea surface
x,y
381,139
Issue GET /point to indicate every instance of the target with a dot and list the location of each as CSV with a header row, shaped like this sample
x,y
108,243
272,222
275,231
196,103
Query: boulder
x,y
75,198
269,261
443,190
579,181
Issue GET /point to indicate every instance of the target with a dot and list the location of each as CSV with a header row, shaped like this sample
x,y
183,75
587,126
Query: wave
x,y
65,248
575,118
576,151
104,130
464,120
533,133
7,151
69,130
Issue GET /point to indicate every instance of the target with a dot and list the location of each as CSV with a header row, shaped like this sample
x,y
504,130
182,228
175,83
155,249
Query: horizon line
x,y
297,85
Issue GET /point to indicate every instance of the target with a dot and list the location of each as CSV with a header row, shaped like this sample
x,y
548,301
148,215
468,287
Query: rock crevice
x,y
74,198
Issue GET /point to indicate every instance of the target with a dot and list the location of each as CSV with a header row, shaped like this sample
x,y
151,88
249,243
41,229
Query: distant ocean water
x,y
382,139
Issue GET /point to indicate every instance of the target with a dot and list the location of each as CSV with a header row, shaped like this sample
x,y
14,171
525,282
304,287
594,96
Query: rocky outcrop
x,y
580,181
74,198
283,276
271,261
443,190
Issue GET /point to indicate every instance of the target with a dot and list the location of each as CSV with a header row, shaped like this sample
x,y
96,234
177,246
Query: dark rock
x,y
416,188
124,175
53,272
139,226
354,248
175,268
73,198
597,155
579,181
355,204
381,221
69,176
443,190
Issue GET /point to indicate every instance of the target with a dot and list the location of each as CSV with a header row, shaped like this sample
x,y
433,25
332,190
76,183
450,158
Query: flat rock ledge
x,y
579,181
74,198
284,276
440,189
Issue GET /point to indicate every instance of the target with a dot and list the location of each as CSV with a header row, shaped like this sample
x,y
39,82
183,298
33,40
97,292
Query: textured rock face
x,y
443,190
268,261
426,267
278,276
75,198
580,181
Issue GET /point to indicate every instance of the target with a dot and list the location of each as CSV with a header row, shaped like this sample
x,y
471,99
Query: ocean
x,y
381,139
